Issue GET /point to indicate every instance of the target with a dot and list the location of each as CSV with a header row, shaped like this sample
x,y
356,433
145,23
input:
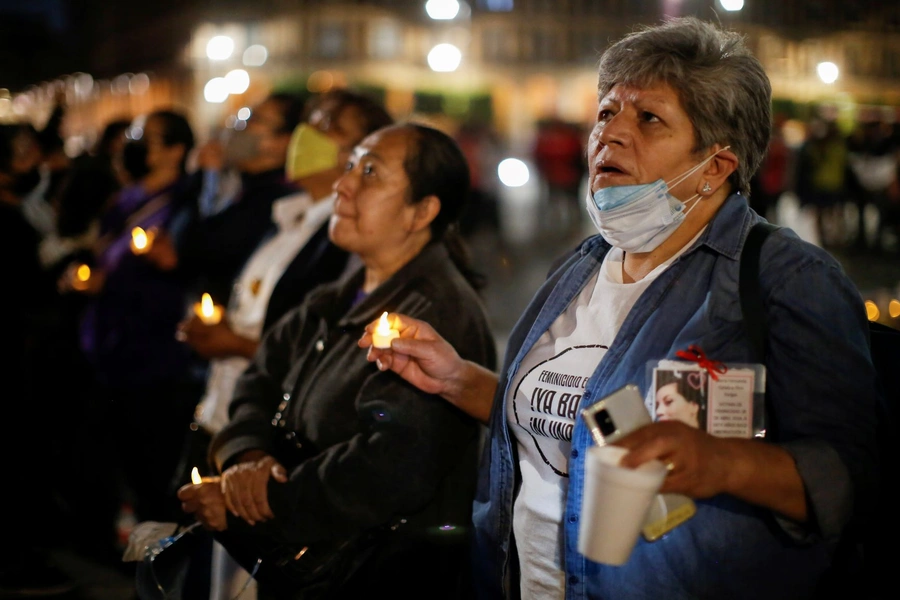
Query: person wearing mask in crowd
x,y
377,449
683,123
83,194
296,257
27,304
127,332
238,183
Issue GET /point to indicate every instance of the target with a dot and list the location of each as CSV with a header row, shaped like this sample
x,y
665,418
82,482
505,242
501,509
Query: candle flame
x,y
83,273
383,327
139,238
195,476
206,306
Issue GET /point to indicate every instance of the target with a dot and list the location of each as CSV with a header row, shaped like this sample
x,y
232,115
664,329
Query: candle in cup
x,y
384,333
141,241
81,277
195,476
208,312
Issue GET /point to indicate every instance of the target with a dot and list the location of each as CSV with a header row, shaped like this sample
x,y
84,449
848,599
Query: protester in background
x,y
771,180
295,257
375,449
559,153
29,427
682,125
238,183
872,179
821,179
128,330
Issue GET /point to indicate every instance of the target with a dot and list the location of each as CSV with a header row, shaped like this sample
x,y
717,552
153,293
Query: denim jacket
x,y
821,388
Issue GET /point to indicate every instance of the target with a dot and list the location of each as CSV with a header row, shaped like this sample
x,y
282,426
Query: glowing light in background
x,y
442,10
732,5
513,172
216,90
255,56
220,47
828,72
894,308
237,81
244,113
444,58
139,84
872,311
320,81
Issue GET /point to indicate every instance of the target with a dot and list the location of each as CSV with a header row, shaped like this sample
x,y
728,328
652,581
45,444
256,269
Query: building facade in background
x,y
509,63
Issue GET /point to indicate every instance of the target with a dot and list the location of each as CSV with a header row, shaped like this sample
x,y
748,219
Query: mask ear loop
x,y
679,179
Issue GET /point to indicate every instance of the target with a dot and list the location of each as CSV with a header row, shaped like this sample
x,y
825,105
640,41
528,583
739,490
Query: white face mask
x,y
638,218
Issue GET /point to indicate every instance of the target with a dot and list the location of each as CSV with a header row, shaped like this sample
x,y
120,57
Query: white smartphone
x,y
617,415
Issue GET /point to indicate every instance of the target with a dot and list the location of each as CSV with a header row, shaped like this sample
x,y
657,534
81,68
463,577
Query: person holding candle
x,y
376,448
294,258
682,124
127,329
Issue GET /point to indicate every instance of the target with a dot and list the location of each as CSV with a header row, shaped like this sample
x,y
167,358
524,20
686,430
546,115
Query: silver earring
x,y
706,189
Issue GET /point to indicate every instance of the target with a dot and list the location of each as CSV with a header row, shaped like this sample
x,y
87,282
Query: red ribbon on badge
x,y
696,354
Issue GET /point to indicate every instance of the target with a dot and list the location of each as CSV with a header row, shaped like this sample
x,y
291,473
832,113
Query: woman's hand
x,y
206,502
702,465
697,466
420,355
426,360
68,283
214,341
245,486
162,253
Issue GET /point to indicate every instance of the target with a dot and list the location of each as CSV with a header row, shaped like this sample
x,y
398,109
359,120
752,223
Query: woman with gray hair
x,y
683,123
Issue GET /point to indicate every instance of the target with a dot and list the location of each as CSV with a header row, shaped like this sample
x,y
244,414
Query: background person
x,y
294,258
681,127
377,448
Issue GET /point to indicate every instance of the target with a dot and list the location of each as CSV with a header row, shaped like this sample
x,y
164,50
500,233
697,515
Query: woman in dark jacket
x,y
321,445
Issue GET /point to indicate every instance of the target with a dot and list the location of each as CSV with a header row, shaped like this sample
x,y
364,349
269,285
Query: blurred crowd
x,y
108,256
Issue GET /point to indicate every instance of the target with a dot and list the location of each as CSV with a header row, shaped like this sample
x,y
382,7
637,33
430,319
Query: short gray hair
x,y
721,85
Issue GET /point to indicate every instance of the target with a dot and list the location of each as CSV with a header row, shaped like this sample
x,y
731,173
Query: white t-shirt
x,y
298,218
542,406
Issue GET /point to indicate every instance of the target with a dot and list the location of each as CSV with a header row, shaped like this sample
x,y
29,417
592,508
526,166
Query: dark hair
x,y
113,131
435,165
176,131
691,384
372,114
8,133
292,110
722,86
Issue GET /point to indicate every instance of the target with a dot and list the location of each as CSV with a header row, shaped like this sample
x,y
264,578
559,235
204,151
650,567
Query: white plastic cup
x,y
615,504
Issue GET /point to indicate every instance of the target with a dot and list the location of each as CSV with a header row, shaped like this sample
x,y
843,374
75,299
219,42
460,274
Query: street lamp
x,y
444,58
216,90
442,10
512,172
732,5
255,56
237,81
828,72
220,47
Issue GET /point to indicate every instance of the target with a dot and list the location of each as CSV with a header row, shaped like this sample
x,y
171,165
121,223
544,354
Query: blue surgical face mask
x,y
638,218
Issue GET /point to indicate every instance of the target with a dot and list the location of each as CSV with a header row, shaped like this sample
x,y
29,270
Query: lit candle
x,y
195,476
208,312
384,333
80,278
141,241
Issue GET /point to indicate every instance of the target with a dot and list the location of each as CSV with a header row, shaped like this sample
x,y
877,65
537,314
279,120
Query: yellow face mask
x,y
309,152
